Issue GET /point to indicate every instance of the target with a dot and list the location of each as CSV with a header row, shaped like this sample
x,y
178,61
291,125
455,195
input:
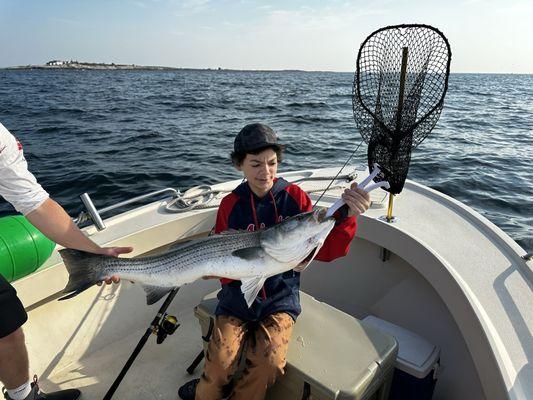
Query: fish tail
x,y
84,270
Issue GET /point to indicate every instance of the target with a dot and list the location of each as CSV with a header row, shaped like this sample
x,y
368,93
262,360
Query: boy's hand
x,y
357,200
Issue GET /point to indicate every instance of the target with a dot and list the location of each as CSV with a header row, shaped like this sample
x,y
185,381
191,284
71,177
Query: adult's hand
x,y
113,252
53,221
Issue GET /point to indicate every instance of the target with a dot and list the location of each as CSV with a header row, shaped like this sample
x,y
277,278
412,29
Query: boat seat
x,y
331,355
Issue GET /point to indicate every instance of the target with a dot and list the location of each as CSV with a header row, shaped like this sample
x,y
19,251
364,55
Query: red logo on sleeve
x,y
19,145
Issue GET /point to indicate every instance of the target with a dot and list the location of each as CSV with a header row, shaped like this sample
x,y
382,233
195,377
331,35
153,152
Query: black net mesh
x,y
395,111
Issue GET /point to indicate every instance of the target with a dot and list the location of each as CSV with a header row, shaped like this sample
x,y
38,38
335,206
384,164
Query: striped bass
x,y
250,257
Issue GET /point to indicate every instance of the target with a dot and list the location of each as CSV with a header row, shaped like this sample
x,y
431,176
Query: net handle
x,y
403,74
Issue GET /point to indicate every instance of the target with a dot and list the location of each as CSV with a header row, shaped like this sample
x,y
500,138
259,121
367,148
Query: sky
x,y
489,36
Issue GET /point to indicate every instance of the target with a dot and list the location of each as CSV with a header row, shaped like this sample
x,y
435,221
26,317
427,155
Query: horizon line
x,y
140,67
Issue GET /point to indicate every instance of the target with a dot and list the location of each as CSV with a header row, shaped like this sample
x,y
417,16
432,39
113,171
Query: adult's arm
x,y
19,187
53,221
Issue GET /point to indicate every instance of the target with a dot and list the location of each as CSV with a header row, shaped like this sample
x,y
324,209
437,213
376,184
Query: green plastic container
x,y
23,248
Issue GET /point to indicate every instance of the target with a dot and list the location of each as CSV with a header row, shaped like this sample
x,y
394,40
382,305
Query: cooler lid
x,y
416,356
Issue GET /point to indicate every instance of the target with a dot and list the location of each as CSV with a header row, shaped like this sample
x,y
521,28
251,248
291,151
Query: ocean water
x,y
118,134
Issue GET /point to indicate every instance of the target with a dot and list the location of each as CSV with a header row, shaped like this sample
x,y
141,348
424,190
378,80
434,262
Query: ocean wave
x,y
307,119
308,104
66,111
48,129
341,95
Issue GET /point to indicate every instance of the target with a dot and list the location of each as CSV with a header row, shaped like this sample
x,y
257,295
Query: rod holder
x,y
93,212
390,217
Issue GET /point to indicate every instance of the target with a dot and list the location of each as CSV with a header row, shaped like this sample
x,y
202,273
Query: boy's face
x,y
260,171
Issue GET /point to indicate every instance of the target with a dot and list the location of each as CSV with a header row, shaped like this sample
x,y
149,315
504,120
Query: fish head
x,y
296,237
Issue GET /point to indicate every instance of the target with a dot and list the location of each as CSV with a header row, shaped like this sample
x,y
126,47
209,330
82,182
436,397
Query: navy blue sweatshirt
x,y
243,210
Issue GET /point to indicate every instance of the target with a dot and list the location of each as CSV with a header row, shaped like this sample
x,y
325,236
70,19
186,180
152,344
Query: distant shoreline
x,y
96,66
128,67
77,66
151,68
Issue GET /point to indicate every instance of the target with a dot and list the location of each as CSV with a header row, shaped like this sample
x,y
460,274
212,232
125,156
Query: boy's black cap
x,y
253,137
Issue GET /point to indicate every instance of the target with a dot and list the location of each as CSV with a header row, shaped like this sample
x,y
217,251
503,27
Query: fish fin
x,y
84,270
230,232
180,244
249,253
155,293
250,287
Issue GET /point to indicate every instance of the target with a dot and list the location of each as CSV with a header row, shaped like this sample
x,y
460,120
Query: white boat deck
x,y
474,267
155,374
98,332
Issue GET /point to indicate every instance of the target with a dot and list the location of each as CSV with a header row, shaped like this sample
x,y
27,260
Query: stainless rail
x,y
180,202
92,212
93,215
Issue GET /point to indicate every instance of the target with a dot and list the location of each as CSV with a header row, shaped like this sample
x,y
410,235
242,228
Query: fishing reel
x,y
166,326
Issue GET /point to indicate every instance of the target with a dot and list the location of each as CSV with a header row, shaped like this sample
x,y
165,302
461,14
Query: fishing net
x,y
398,94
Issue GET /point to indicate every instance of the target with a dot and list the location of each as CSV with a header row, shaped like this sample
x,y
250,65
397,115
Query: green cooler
x,y
331,355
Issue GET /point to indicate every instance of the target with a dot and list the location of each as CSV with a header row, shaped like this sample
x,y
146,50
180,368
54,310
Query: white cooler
x,y
416,364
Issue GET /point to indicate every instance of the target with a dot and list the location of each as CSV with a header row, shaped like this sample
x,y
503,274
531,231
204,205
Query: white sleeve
x,y
17,185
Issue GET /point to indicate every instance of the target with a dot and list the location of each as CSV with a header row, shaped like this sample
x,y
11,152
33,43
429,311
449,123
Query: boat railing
x,y
204,196
198,197
94,215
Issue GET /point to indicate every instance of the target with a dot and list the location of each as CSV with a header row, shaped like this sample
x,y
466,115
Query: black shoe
x,y
188,391
36,394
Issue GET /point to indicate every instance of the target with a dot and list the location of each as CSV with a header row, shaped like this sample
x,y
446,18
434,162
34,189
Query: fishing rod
x,y
162,326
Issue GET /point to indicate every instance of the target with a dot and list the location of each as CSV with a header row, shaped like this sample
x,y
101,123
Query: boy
x,y
262,201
